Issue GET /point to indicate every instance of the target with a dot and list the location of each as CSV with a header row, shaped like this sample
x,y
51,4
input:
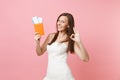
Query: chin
x,y
60,30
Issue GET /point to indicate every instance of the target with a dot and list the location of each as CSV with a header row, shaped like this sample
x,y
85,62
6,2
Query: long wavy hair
x,y
69,31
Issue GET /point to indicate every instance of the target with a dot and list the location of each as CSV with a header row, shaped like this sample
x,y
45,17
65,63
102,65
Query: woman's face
x,y
62,23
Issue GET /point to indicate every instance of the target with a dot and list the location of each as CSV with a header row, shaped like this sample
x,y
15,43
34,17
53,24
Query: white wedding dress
x,y
58,68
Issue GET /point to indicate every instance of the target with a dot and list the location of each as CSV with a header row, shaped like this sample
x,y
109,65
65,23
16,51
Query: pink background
x,y
97,20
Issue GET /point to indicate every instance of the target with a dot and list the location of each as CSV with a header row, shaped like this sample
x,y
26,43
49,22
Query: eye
x,y
62,21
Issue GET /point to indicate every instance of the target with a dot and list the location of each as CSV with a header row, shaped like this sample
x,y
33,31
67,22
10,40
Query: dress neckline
x,y
60,43
56,42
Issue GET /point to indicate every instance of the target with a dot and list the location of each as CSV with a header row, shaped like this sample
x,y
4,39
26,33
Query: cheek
x,y
65,26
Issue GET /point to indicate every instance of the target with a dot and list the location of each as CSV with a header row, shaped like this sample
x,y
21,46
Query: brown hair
x,y
69,31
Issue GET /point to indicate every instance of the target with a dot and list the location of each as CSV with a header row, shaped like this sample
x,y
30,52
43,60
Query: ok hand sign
x,y
76,36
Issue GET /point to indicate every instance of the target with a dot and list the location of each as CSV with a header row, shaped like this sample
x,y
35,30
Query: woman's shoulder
x,y
51,36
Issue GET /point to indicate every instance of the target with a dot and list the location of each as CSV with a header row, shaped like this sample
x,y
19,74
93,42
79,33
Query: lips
x,y
60,27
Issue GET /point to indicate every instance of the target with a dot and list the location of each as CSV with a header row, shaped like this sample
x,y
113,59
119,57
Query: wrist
x,y
78,41
37,42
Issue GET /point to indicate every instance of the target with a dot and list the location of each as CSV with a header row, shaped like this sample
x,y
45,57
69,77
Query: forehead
x,y
63,18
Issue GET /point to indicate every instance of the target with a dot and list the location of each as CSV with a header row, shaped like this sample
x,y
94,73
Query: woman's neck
x,y
62,36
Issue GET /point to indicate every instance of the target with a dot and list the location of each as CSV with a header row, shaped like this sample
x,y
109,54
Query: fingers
x,y
37,36
36,33
75,30
72,36
75,37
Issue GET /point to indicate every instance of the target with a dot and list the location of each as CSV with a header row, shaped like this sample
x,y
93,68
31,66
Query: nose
x,y
58,23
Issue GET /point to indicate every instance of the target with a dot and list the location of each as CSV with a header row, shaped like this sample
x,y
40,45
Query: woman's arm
x,y
79,47
41,49
81,51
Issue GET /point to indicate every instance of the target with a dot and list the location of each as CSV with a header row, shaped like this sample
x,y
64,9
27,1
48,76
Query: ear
x,y
68,26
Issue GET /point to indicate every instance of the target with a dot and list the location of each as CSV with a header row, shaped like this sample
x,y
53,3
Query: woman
x,y
58,45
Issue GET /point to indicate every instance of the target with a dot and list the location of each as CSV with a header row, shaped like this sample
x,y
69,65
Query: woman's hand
x,y
37,36
79,47
76,36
